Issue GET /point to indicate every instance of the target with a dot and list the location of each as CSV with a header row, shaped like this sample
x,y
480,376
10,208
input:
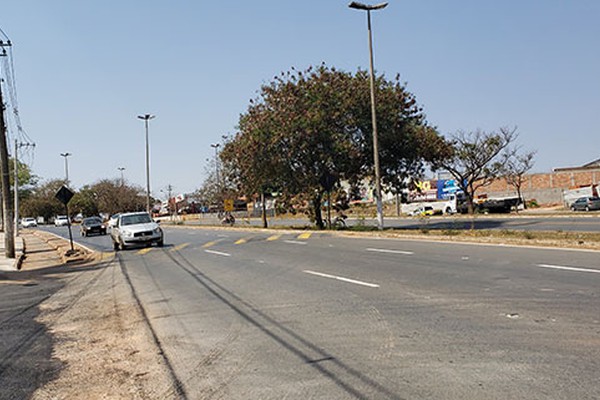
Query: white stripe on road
x,y
392,251
294,242
339,278
597,271
217,253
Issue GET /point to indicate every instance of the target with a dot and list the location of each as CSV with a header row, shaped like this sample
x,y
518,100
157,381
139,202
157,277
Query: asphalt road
x,y
578,222
242,315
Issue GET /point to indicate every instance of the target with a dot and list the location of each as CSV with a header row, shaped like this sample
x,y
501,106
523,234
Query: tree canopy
x,y
306,124
106,196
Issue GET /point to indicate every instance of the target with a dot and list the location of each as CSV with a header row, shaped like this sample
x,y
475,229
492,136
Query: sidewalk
x,y
37,248
11,264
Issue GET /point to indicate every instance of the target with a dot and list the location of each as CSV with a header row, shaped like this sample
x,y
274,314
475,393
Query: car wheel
x,y
160,243
587,208
572,208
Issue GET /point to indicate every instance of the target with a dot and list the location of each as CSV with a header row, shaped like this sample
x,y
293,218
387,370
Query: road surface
x,y
240,315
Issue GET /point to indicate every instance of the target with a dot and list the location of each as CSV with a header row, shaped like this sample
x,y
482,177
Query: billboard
x,y
446,187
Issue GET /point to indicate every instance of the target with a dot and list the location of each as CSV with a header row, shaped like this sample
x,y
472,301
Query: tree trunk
x,y
317,208
263,210
521,198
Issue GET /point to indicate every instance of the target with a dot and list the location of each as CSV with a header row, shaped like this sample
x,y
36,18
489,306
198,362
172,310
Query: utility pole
x,y
16,176
9,238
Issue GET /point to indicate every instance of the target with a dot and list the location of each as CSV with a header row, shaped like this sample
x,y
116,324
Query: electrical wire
x,y
8,79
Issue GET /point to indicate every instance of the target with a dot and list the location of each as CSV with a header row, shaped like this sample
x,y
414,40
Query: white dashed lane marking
x,y
391,251
219,253
294,242
340,278
564,268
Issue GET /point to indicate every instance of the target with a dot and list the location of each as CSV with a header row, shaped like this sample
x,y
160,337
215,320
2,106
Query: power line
x,y
8,77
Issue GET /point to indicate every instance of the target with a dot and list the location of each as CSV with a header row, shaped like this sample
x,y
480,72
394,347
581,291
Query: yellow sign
x,y
228,205
423,186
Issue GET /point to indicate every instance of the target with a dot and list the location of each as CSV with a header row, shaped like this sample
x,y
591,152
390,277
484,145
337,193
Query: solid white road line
x,y
339,278
391,251
217,253
597,271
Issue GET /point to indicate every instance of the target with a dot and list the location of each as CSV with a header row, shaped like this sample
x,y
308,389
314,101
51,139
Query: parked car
x,y
422,211
586,204
136,228
61,220
28,222
92,225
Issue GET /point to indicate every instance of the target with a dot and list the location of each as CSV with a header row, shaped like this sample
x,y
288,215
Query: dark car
x,y
586,204
92,225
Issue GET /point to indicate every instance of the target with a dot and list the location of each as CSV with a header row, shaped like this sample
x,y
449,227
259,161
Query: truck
x,y
457,203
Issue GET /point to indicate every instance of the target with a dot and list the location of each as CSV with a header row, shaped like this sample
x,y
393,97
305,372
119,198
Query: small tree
x,y
475,159
515,168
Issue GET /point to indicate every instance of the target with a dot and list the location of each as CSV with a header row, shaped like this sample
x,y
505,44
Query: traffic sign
x,y
64,195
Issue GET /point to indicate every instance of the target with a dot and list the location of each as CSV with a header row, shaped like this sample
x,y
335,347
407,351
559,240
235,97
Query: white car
x,y
28,222
61,220
136,228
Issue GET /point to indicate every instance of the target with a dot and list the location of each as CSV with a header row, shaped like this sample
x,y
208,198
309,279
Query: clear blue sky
x,y
85,70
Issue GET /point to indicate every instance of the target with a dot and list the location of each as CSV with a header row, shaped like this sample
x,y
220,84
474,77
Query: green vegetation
x,y
306,125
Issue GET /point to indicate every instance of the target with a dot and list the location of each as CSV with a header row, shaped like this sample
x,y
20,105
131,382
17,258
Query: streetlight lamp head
x,y
146,117
367,7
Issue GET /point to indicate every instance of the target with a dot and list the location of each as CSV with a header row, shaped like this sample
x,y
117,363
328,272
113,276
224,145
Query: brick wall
x,y
546,188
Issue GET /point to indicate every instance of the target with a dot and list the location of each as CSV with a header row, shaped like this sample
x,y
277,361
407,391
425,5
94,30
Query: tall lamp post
x,y
216,147
146,118
368,9
121,169
65,155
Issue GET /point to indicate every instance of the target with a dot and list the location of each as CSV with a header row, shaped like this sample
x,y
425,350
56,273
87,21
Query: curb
x,y
79,255
21,257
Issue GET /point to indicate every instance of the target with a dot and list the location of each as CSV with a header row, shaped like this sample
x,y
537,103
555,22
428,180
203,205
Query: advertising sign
x,y
446,187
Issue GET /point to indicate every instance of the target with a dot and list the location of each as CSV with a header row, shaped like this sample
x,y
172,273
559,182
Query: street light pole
x,y
65,155
368,9
216,147
146,118
122,176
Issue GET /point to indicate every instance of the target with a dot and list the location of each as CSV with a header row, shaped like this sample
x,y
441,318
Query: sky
x,y
85,69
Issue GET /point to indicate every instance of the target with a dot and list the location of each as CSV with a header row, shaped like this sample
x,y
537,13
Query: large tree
x,y
308,124
113,196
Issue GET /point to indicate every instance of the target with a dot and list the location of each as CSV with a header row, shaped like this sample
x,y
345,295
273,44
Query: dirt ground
x,y
100,340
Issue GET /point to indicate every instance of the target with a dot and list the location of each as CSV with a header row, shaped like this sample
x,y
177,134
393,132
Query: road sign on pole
x,y
64,195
